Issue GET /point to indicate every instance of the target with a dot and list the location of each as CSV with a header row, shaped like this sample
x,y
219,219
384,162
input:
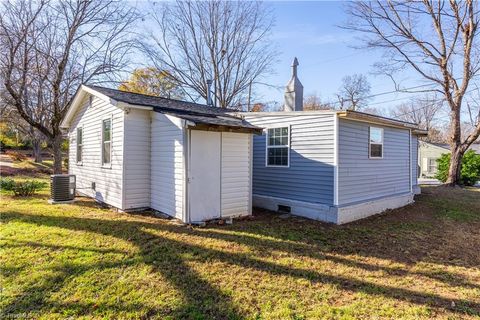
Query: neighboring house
x,y
336,166
429,153
133,151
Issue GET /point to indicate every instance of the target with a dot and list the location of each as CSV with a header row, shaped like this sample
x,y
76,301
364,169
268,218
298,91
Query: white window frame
x,y
370,143
109,164
283,146
77,145
435,165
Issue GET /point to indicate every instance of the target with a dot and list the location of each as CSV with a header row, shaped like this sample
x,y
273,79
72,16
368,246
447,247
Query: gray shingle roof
x,y
194,112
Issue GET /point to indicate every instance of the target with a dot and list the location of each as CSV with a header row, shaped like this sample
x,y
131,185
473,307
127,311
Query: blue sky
x,y
309,30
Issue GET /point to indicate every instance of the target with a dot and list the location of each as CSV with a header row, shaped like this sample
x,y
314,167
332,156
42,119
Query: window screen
x,y
376,142
106,141
278,146
432,165
79,144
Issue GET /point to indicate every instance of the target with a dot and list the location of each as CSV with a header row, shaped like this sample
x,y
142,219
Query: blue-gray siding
x,y
310,175
361,178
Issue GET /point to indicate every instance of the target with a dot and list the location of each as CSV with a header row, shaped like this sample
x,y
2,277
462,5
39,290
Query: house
x,y
133,151
336,166
197,163
429,153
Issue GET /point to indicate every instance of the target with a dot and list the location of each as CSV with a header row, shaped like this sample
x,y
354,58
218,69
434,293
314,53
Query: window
x,y
106,142
79,144
432,165
278,147
376,143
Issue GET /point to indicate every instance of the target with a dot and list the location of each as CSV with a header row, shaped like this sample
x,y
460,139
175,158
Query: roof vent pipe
x,y
209,92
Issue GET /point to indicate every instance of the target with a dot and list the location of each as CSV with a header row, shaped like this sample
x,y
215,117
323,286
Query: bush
x,y
469,173
65,162
6,184
21,188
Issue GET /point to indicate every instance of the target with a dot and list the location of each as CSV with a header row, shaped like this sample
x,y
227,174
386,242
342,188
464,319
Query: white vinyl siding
x,y
108,181
167,165
236,174
137,159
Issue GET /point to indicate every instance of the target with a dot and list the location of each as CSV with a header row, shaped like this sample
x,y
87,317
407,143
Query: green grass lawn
x,y
82,261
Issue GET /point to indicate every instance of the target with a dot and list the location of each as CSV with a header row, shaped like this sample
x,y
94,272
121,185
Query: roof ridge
x,y
163,98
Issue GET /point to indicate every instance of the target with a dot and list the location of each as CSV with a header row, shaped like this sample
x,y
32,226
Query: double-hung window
x,y
278,147
79,145
106,142
432,165
375,143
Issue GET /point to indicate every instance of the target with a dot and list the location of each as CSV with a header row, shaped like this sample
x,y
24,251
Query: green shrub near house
x,y
470,171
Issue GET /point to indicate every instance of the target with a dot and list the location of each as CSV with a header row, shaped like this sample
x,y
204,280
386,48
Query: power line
x,y
391,92
423,107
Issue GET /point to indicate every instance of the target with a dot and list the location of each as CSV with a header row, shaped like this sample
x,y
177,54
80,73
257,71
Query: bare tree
x,y
422,111
223,41
313,102
373,110
10,115
50,47
12,118
435,39
354,92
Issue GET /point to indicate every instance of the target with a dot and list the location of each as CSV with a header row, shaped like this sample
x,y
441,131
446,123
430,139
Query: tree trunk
x,y
455,168
57,154
37,150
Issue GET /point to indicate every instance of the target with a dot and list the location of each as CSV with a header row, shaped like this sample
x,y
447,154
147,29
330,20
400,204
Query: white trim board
x,y
335,159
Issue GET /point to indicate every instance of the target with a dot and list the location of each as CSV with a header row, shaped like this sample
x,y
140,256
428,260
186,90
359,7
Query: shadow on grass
x,y
202,300
33,244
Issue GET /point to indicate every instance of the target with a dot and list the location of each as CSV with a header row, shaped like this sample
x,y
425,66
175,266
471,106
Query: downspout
x,y
124,147
186,150
410,158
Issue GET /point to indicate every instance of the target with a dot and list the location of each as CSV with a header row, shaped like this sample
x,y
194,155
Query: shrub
x,y
27,188
22,188
6,184
65,162
469,173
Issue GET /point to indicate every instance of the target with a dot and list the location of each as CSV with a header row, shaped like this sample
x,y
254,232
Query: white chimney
x,y
294,91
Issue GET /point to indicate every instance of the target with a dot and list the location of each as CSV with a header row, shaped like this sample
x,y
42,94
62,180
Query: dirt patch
x,y
28,168
34,173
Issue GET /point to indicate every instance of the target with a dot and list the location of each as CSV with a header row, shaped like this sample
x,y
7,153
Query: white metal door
x,y
204,175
